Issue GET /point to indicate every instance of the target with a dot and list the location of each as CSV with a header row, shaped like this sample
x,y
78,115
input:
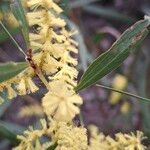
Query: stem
x,y
11,37
123,92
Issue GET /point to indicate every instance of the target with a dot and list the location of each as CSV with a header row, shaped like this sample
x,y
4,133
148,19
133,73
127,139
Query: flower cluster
x,y
52,46
64,135
21,84
99,141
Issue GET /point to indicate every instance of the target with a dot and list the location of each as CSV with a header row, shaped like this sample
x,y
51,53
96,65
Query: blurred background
x,y
99,24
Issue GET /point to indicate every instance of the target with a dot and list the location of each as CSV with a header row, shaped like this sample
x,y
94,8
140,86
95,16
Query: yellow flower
x,y
44,3
26,86
125,108
135,141
98,141
11,93
68,136
120,83
60,102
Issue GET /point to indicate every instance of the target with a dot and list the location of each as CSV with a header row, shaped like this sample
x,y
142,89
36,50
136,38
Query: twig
x,y
123,92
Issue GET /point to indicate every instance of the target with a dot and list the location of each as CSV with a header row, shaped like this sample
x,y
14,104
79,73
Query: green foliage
x,y
18,12
4,132
9,70
113,58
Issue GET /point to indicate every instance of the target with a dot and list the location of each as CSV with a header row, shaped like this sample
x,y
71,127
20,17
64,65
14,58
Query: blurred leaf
x,y
4,9
80,3
15,128
9,70
108,13
53,147
98,37
113,58
3,107
4,36
6,133
18,12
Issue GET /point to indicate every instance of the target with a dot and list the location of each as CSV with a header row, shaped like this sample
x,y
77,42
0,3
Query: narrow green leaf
x,y
113,58
108,13
53,147
18,12
4,36
9,70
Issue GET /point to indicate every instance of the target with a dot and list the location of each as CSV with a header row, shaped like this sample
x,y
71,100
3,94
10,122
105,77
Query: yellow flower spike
x,y
11,93
125,107
120,82
50,65
70,137
31,85
45,3
36,17
21,87
61,105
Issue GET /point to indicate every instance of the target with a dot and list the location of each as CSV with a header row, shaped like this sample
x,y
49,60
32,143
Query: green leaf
x,y
6,133
18,12
9,70
113,58
4,36
53,147
108,13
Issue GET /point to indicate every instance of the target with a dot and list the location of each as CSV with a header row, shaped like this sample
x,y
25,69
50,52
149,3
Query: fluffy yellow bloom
x,y
60,102
134,141
120,83
44,3
64,135
31,138
26,85
99,141
68,136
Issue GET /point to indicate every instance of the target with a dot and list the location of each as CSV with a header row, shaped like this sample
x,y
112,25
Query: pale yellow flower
x,y
60,102
45,3
125,108
11,92
26,86
68,136
32,110
98,141
120,82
